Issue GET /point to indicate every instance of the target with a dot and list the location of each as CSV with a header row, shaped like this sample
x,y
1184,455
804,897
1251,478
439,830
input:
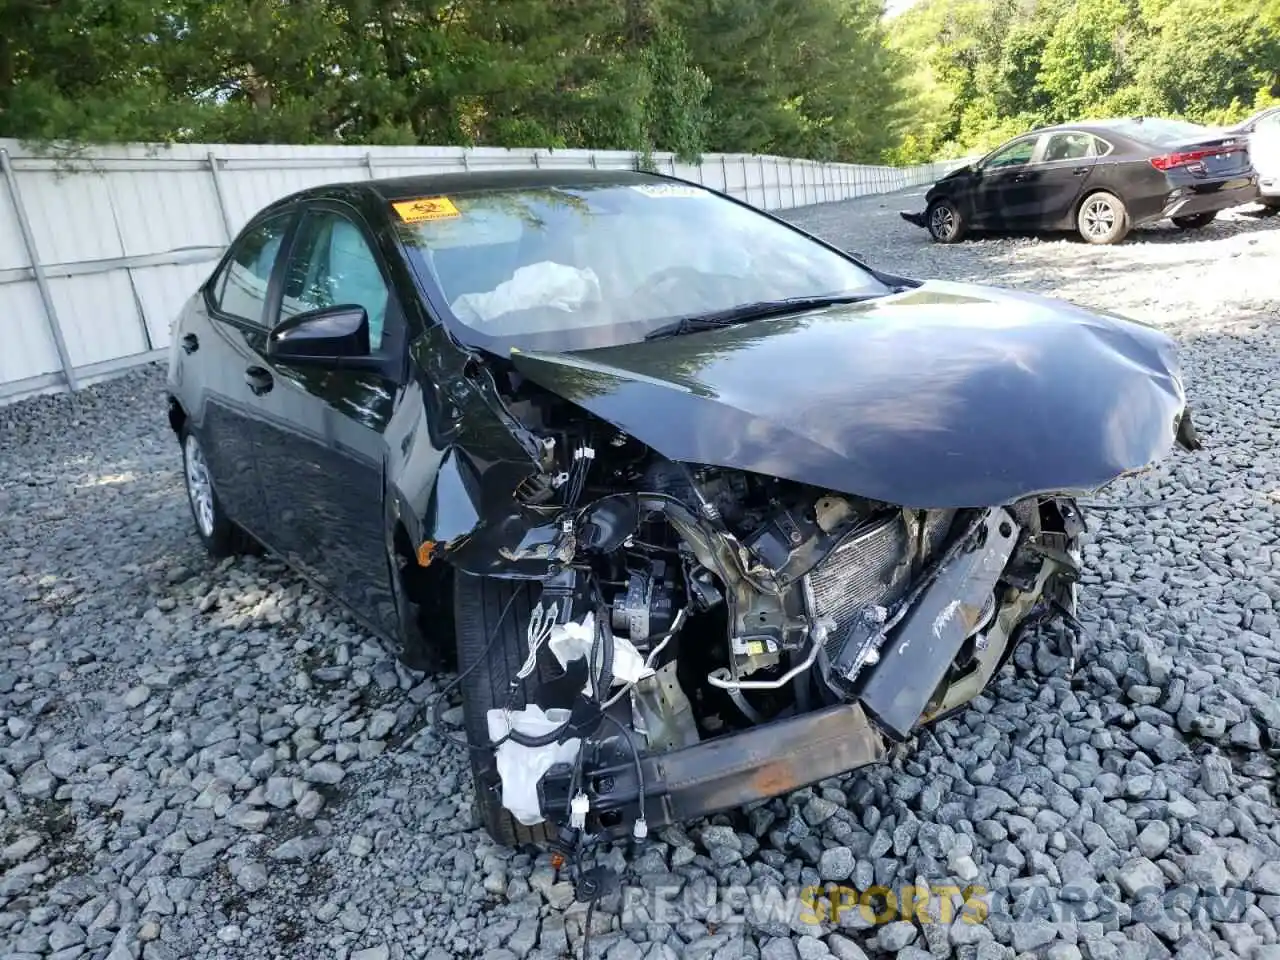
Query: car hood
x,y
949,395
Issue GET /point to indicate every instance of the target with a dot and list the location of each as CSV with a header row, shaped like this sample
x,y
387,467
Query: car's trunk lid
x,y
1211,157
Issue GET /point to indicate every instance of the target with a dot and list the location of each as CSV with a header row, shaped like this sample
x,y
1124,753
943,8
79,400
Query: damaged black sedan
x,y
705,509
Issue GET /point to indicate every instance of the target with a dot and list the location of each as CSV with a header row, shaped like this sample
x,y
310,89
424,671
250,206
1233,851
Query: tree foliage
x,y
761,75
984,70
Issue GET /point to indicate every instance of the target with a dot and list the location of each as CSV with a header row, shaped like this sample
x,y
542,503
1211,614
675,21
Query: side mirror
x,y
319,336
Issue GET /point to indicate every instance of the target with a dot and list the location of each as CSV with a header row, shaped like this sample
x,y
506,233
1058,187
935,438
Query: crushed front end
x,y
714,637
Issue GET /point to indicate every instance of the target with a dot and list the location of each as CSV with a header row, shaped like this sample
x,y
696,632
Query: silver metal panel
x,y
99,317
26,345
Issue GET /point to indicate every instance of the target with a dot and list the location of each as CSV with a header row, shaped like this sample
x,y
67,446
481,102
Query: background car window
x,y
241,290
1068,146
1013,154
332,264
1270,122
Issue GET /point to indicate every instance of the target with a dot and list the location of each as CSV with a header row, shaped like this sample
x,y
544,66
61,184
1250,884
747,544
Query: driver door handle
x,y
1079,171
259,380
1019,177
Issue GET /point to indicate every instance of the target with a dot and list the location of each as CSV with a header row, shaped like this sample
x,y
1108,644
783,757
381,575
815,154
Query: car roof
x,y
402,188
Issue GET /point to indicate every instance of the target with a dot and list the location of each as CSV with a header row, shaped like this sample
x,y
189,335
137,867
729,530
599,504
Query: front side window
x,y
1068,146
240,291
1013,154
579,266
332,265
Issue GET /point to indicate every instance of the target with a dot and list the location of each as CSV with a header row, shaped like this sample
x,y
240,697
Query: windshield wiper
x,y
751,311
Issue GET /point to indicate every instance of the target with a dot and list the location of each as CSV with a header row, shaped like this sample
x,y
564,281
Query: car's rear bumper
x,y
1186,201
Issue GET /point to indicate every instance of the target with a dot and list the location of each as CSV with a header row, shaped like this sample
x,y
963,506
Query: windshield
x,y
574,267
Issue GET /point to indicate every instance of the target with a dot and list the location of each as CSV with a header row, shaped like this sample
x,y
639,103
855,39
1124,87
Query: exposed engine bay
x,y
684,607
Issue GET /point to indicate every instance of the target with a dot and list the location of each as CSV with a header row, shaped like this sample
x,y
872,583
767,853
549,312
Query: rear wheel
x,y
492,647
220,536
1195,221
1270,207
1102,218
945,223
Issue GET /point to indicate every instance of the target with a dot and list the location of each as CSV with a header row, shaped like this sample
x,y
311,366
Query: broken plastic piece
x,y
519,767
578,808
573,641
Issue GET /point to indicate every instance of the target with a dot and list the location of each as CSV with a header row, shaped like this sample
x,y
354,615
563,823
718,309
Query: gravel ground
x,y
202,760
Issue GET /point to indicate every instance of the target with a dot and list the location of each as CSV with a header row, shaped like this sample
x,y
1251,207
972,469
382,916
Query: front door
x,y
1003,199
323,466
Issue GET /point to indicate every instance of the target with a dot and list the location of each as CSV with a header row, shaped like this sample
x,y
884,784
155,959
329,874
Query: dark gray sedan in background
x,y
1099,178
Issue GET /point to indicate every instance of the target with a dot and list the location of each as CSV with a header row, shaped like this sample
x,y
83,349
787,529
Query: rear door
x,y
1054,180
1003,199
225,343
323,459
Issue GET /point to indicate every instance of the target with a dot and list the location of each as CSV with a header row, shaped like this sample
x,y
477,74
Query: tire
x,y
944,222
1102,218
478,604
220,536
1195,221
1270,207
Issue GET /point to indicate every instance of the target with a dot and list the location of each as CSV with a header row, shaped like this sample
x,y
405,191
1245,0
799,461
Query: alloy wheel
x,y
199,486
943,222
1099,218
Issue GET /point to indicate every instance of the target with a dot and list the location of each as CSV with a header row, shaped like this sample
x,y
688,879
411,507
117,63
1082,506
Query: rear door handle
x,y
190,343
1079,171
259,380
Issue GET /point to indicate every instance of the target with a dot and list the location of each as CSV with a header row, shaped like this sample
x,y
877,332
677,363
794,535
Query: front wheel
x,y
946,225
220,536
1194,221
492,622
1102,218
1270,207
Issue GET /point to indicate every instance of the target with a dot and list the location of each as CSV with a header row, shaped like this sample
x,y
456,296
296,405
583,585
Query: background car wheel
x,y
1102,218
1195,221
944,222
492,647
1270,208
220,536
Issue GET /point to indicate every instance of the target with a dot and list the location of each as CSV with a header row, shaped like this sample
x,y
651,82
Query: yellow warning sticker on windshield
x,y
426,208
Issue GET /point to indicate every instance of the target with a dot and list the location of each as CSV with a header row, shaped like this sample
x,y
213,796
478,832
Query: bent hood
x,y
949,395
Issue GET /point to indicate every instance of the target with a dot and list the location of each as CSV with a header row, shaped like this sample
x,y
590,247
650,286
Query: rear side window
x,y
1068,146
240,291
1269,123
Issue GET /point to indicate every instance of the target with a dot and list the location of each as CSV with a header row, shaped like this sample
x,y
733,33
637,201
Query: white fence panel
x,y
99,250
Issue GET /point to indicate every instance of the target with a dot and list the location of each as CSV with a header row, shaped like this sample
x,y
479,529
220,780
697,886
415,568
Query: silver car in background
x,y
1263,130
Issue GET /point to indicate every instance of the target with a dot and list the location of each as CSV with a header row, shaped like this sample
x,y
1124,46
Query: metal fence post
x,y
368,162
222,200
37,270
